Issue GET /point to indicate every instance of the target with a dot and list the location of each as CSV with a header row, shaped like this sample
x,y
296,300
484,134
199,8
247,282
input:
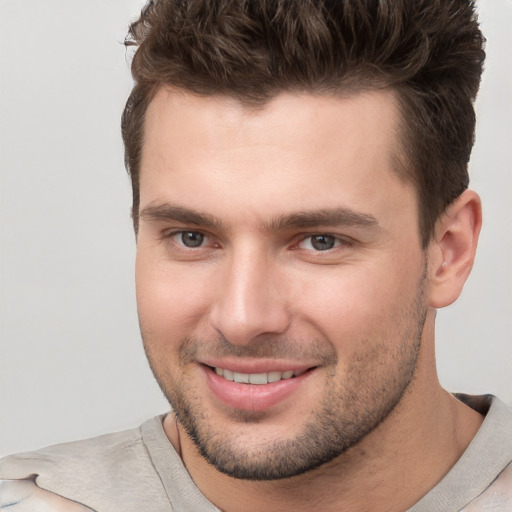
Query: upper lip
x,y
257,365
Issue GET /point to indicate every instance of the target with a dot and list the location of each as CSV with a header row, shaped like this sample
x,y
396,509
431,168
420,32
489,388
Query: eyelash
x,y
339,241
175,234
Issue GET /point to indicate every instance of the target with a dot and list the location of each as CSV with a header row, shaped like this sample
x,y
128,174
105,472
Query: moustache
x,y
265,347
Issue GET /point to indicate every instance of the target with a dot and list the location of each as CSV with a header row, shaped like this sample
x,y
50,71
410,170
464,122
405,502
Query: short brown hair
x,y
430,52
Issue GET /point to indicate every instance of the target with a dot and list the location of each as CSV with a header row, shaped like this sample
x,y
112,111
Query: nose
x,y
250,300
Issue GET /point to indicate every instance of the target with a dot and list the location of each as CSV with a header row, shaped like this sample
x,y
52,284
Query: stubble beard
x,y
348,412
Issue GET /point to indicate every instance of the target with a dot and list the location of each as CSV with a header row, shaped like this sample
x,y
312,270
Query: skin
x,y
359,315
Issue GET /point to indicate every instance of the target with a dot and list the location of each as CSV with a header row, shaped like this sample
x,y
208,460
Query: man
x,y
300,201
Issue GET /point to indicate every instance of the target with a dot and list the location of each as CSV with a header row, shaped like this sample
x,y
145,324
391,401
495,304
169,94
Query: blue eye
x,y
323,242
320,242
191,238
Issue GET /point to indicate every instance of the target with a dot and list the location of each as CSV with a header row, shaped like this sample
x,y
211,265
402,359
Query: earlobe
x,y
452,252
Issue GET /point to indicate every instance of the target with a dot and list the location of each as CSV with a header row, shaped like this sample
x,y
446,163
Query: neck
x,y
381,473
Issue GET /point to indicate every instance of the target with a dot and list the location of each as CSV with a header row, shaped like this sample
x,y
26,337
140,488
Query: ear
x,y
452,251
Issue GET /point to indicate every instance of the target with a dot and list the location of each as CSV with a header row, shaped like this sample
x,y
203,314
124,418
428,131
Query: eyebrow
x,y
332,217
325,217
169,212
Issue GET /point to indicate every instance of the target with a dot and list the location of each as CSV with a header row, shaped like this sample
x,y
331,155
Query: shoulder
x,y
96,472
495,441
76,455
482,478
497,497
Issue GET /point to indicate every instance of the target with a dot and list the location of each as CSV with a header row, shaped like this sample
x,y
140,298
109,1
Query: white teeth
x,y
243,378
256,378
274,376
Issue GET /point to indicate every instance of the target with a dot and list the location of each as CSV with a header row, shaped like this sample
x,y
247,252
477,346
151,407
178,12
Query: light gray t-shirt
x,y
139,470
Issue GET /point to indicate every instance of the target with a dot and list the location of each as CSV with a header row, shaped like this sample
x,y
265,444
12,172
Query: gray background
x,y
71,362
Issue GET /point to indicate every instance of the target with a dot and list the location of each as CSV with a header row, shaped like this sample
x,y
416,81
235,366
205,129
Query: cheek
x,y
365,302
171,302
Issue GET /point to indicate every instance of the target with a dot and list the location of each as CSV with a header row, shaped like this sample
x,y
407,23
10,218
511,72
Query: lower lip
x,y
252,397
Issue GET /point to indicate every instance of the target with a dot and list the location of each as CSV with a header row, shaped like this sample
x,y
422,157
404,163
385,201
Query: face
x,y
280,276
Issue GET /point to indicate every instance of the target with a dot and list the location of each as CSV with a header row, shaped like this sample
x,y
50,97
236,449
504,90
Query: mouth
x,y
257,390
257,378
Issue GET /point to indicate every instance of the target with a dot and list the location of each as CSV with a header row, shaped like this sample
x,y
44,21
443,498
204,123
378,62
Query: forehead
x,y
296,150
206,119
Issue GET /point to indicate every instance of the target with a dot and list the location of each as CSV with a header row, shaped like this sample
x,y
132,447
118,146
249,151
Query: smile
x,y
256,390
257,378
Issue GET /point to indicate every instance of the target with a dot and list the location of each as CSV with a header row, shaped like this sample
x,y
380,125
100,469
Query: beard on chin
x,y
352,404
